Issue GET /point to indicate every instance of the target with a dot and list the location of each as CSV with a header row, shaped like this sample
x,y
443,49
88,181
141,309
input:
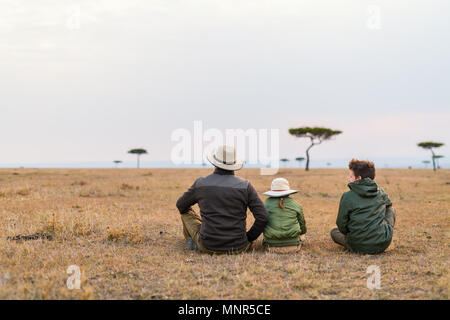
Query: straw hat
x,y
224,157
280,188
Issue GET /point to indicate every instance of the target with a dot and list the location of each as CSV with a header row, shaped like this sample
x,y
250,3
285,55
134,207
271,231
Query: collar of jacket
x,y
223,172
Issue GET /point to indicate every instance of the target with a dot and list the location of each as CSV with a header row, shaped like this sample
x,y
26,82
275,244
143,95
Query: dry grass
x,y
122,228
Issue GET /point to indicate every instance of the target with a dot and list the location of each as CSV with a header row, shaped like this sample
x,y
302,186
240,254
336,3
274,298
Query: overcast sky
x,y
126,74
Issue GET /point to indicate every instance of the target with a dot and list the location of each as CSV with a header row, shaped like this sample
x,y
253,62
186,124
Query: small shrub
x,y
132,235
79,183
126,186
90,193
81,229
23,192
51,226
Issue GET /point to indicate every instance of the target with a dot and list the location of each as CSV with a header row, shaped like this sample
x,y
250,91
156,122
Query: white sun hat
x,y
224,157
280,188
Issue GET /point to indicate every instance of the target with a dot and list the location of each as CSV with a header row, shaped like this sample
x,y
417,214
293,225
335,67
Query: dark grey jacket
x,y
223,199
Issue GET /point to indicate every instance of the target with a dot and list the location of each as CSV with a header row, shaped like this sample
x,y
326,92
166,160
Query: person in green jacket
x,y
366,218
286,220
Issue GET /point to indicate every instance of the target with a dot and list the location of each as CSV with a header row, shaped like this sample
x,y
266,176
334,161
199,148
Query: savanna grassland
x,y
121,227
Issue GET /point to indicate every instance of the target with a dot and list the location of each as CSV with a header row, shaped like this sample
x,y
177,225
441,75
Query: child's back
x,y
361,216
286,222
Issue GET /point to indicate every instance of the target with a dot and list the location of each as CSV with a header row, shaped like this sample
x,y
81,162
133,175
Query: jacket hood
x,y
365,187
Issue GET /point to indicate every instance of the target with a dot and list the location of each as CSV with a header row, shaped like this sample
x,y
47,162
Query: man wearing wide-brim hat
x,y
223,199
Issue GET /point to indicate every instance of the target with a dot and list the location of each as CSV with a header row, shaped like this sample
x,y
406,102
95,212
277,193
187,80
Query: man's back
x,y
223,200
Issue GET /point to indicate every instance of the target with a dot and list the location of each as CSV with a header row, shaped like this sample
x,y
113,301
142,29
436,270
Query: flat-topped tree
x,y
430,146
317,135
300,159
284,160
138,152
117,162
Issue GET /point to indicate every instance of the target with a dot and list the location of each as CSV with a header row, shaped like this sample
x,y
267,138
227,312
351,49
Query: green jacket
x,y
361,217
284,227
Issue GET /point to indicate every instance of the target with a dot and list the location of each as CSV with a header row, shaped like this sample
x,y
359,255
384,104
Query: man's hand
x,y
303,237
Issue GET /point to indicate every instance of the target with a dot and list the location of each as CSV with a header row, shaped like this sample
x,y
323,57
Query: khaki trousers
x,y
191,229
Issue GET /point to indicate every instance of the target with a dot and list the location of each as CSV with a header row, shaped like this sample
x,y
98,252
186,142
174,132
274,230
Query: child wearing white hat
x,y
286,222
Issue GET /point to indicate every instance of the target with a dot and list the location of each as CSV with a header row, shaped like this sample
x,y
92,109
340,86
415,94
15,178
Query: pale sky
x,y
133,71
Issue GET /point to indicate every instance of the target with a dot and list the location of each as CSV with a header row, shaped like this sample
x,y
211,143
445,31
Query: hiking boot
x,y
191,244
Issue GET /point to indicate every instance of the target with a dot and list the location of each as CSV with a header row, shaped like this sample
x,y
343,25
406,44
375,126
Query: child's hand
x,y
303,237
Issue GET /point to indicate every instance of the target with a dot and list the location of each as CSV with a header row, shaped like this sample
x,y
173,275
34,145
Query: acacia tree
x,y
284,160
429,145
317,135
300,159
117,162
138,152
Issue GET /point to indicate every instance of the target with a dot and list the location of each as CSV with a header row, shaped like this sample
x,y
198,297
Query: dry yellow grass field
x,y
121,227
